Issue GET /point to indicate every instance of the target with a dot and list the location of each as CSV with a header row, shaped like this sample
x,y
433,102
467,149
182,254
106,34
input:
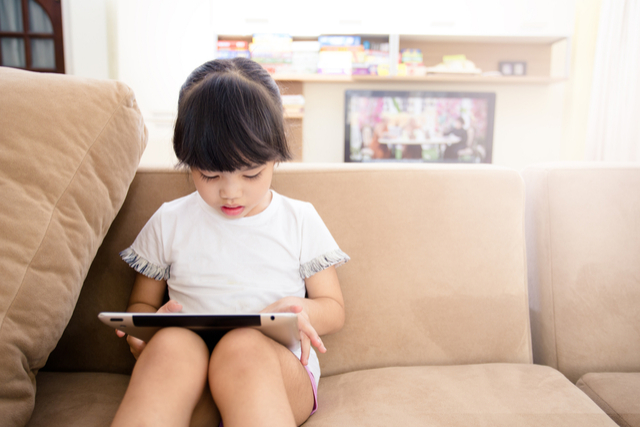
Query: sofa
x,y
583,248
437,328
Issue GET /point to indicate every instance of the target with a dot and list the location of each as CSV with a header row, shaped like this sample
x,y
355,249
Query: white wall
x,y
84,24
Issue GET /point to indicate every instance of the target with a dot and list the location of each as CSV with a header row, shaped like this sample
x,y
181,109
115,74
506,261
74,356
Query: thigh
x,y
296,381
248,350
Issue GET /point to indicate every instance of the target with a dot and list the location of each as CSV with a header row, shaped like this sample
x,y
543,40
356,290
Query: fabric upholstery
x,y
91,399
422,286
583,248
69,148
437,273
474,395
617,393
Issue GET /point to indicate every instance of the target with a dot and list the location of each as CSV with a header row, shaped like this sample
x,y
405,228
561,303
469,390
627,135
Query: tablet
x,y
281,327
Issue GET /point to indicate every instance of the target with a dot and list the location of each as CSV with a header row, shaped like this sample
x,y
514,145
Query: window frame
x,y
53,8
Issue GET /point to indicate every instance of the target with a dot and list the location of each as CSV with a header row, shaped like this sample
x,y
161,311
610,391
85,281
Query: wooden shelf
x,y
294,115
442,78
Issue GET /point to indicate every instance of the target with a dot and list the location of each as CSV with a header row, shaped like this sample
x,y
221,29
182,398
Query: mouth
x,y
232,210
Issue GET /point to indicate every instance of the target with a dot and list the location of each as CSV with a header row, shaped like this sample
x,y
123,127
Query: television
x,y
418,126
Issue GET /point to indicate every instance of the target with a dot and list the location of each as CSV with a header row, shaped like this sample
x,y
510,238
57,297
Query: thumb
x,y
171,307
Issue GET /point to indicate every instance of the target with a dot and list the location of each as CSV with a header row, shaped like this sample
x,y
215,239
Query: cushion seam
x,y
55,207
553,298
604,402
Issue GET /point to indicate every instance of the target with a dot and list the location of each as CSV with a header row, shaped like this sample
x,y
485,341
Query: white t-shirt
x,y
214,264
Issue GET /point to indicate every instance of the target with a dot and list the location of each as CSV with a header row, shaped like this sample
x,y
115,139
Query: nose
x,y
230,189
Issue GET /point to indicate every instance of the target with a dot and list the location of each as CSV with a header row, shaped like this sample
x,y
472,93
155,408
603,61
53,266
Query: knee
x,y
238,343
179,344
239,350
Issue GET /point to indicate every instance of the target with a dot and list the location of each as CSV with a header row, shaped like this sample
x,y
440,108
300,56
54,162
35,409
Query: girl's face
x,y
238,194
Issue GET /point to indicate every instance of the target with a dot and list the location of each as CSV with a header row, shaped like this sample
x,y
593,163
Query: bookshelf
x,y
547,60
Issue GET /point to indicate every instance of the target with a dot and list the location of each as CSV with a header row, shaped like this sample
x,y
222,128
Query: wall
x,y
84,24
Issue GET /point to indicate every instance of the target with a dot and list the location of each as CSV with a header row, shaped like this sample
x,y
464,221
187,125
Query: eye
x,y
256,176
208,178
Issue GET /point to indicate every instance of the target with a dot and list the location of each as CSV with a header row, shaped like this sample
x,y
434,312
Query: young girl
x,y
232,246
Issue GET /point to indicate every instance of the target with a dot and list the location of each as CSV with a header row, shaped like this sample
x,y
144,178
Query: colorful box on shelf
x,y
272,51
228,49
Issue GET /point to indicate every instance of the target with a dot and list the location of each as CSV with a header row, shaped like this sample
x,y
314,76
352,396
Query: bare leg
x,y
167,381
256,381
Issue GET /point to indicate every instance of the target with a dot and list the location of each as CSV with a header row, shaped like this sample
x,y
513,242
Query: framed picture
x,y
408,126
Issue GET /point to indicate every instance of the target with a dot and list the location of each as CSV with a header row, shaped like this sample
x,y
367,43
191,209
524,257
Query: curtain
x,y
613,131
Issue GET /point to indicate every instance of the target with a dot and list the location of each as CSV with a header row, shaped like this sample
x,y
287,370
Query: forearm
x,y
141,307
326,315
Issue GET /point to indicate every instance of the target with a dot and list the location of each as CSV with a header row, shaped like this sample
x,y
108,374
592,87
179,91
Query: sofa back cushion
x,y
437,270
583,238
69,148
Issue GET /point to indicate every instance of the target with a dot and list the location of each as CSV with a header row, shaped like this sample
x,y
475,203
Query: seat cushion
x,y
91,399
471,395
69,148
79,399
618,394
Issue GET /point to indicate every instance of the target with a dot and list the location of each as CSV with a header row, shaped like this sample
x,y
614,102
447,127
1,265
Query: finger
x,y
311,334
171,307
305,348
120,333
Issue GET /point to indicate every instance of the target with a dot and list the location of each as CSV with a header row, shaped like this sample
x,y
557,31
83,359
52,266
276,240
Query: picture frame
x,y
419,126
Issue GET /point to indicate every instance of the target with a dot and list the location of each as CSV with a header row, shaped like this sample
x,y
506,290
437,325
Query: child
x,y
233,246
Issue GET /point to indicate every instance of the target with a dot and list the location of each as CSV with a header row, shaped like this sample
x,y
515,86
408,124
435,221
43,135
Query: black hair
x,y
230,116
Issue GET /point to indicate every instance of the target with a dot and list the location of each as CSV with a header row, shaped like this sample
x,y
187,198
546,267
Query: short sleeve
x,y
146,254
319,250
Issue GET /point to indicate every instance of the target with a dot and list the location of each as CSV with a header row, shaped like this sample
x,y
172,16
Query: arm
x,y
146,297
319,314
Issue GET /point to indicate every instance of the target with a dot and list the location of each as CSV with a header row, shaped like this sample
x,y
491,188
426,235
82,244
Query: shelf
x,y
448,78
294,115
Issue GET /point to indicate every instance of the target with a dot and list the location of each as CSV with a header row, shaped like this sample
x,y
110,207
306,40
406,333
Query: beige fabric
x,y
69,148
422,286
91,399
77,399
583,238
109,281
618,394
437,271
475,395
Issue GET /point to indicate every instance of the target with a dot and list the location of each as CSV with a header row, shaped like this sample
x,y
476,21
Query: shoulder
x,y
185,203
298,208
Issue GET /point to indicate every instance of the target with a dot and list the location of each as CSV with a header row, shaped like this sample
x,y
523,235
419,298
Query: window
x,y
31,35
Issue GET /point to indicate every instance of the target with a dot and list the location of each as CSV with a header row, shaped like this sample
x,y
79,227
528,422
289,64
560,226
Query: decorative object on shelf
x,y
513,68
454,64
272,51
411,63
338,54
305,56
405,126
228,49
293,105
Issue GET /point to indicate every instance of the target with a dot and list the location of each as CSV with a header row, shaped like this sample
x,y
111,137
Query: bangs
x,y
227,122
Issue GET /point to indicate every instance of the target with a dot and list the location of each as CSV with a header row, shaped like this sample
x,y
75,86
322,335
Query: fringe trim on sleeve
x,y
316,265
143,266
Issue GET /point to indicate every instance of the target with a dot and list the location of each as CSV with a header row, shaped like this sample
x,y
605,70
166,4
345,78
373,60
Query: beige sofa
x,y
437,330
583,235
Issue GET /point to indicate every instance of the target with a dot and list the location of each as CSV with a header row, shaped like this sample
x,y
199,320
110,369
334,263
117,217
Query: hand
x,y
308,334
136,345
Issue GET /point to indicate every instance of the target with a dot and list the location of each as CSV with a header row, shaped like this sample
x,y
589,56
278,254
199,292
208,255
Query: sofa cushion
x,y
69,148
472,395
437,250
618,394
437,273
91,399
583,249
